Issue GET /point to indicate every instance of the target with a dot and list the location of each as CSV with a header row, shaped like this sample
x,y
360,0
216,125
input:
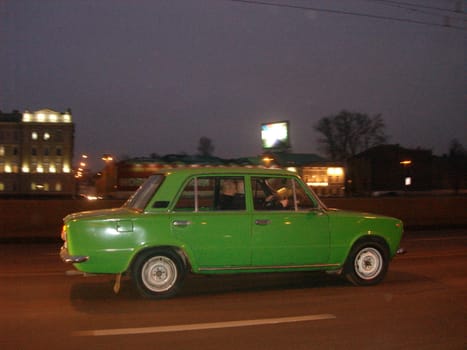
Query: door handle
x,y
262,222
181,223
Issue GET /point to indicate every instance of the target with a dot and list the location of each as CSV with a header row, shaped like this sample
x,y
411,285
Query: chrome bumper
x,y
71,259
401,251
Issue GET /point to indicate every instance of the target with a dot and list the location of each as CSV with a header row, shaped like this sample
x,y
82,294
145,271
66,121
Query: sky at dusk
x,y
153,76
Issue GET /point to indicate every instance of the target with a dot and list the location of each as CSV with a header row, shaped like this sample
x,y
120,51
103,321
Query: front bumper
x,y
71,259
401,251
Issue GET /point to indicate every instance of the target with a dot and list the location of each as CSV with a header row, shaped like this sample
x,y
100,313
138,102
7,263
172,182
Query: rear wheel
x,y
367,264
158,273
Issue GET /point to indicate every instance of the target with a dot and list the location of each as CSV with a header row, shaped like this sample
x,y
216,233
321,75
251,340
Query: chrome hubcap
x,y
159,274
368,263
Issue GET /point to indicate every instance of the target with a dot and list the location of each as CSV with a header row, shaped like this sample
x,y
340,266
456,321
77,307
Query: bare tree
x,y
349,133
205,147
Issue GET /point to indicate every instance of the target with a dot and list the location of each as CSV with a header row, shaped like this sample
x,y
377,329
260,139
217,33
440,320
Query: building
x,y
120,179
391,169
36,151
327,178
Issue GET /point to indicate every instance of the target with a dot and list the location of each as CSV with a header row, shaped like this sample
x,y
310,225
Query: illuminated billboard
x,y
275,135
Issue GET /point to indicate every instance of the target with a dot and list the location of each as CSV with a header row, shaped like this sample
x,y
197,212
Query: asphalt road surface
x,y
420,305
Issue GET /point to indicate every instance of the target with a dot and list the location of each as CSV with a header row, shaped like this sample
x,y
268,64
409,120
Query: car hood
x,y
351,213
360,217
103,213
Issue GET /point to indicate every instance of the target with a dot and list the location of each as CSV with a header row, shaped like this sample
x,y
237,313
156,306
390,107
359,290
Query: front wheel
x,y
158,273
367,264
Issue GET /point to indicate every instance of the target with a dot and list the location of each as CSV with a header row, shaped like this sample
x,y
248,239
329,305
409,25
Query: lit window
x,y
2,186
34,135
46,136
408,181
53,118
25,168
2,151
335,171
58,187
41,117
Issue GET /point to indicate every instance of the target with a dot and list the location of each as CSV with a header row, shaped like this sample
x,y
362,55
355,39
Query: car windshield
x,y
144,193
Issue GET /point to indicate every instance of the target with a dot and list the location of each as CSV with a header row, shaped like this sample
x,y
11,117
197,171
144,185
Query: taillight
x,y
63,234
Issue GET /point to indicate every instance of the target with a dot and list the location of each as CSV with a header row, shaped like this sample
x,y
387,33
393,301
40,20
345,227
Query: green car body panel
x,y
230,241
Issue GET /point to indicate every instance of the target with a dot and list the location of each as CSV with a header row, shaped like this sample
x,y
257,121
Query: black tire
x,y
367,263
158,273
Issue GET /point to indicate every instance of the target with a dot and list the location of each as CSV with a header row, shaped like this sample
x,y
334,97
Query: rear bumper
x,y
71,259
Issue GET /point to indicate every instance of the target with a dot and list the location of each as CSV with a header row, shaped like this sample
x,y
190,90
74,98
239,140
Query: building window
x,y
58,166
46,136
34,151
2,186
39,187
2,151
59,152
58,135
34,135
58,187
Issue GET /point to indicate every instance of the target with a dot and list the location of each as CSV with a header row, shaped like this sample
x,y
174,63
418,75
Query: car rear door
x,y
211,221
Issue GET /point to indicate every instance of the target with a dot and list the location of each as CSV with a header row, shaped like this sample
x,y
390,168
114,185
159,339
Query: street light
x,y
107,158
407,179
406,162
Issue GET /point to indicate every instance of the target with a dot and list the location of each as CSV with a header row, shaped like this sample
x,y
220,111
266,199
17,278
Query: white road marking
x,y
203,326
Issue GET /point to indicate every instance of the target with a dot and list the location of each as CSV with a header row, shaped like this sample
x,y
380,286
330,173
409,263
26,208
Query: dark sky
x,y
153,76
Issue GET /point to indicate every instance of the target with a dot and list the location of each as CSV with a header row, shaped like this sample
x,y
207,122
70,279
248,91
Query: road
x,y
420,305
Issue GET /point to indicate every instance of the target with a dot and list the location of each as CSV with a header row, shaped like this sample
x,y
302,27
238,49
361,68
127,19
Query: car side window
x,y
279,193
303,200
272,193
186,201
212,193
231,193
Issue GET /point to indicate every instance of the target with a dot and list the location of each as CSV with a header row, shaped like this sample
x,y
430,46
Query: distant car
x,y
227,220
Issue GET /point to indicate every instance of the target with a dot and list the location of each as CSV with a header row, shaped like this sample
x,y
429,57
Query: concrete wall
x,y
43,218
416,212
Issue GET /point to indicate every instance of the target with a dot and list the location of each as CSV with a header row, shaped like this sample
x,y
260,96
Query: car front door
x,y
288,228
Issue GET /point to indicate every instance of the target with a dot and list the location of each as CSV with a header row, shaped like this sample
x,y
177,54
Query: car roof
x,y
225,171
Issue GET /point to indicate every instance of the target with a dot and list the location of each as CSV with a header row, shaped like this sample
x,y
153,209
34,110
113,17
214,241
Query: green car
x,y
227,220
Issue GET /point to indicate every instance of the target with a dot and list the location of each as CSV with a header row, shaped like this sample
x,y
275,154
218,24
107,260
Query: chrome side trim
x,y
274,267
72,259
